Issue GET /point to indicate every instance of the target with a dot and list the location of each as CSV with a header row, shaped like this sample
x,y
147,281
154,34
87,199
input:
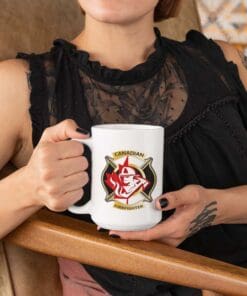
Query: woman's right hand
x,y
56,172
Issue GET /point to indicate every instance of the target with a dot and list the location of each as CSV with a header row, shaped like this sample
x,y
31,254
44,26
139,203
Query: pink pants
x,y
76,281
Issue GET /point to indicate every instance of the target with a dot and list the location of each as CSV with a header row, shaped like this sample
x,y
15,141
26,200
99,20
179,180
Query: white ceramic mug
x,y
127,175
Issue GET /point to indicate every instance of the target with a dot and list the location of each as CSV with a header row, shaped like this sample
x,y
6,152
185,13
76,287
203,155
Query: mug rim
x,y
126,126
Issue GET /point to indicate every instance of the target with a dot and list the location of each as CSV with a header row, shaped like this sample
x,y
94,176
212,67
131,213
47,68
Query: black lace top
x,y
187,87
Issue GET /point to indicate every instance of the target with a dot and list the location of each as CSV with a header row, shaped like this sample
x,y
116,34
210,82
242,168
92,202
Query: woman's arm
x,y
14,93
232,205
53,174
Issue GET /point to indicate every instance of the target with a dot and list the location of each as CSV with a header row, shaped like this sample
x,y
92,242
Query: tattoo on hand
x,y
204,219
243,58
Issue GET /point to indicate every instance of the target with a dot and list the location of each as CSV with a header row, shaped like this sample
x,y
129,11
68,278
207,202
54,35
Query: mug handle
x,y
87,208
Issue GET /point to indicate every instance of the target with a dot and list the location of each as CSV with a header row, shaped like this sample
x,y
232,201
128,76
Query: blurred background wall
x,y
225,20
32,25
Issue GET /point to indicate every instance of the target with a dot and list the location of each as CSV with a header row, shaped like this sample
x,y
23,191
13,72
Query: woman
x,y
119,69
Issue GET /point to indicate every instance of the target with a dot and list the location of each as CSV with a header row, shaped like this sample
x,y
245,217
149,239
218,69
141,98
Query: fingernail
x,y
103,230
114,236
163,203
68,139
82,131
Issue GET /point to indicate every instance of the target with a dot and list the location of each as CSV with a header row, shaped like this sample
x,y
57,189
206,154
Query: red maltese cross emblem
x,y
128,180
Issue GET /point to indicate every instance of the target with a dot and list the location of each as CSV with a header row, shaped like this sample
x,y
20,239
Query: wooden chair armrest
x,y
62,236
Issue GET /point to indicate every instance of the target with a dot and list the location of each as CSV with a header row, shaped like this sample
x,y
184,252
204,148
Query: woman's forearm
x,y
16,201
54,177
232,205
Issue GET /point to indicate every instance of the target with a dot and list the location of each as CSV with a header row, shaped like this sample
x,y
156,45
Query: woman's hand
x,y
56,170
195,208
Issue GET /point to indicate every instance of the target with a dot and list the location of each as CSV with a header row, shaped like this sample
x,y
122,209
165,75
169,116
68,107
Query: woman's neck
x,y
117,46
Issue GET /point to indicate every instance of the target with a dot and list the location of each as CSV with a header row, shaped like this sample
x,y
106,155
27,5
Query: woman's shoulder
x,y
47,63
14,86
13,80
14,101
199,40
14,67
235,56
220,53
195,45
196,40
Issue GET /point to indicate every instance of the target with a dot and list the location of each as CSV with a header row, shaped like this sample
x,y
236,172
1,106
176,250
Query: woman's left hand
x,y
195,208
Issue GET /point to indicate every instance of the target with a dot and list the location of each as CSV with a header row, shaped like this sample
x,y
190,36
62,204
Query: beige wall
x,y
31,25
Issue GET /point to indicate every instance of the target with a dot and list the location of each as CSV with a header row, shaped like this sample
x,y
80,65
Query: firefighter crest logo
x,y
128,179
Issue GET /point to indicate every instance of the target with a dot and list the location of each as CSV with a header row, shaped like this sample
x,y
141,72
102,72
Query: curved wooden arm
x,y
62,236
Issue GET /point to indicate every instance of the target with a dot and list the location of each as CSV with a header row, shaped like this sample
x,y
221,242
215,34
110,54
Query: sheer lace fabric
x,y
159,100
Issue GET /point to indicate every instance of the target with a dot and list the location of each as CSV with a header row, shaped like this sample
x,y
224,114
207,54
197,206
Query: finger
x,y
175,199
155,233
75,181
74,196
72,166
62,131
68,149
66,200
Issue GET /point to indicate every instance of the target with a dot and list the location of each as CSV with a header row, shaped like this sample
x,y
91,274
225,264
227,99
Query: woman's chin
x,y
118,11
112,18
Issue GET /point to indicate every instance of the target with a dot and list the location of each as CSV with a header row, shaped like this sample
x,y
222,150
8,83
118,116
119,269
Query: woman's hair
x,y
166,9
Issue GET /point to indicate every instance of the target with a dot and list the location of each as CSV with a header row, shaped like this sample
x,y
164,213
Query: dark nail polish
x,y
114,236
82,131
68,139
163,203
103,230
